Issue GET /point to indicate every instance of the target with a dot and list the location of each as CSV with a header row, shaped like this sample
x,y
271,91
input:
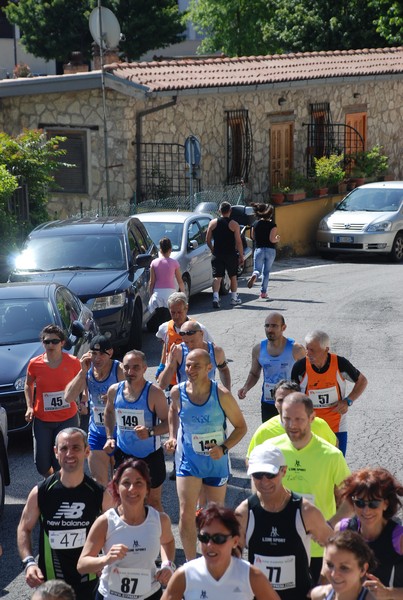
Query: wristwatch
x,y
151,431
349,401
224,449
28,561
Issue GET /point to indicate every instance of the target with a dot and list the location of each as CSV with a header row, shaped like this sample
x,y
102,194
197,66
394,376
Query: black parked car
x,y
25,308
104,261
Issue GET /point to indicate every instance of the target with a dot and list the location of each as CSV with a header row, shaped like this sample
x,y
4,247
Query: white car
x,y
369,219
4,468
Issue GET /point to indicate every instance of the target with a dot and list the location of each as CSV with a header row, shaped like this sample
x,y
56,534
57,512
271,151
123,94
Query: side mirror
x,y
193,244
143,261
77,329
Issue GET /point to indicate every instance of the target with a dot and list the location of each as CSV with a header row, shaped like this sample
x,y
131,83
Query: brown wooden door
x,y
359,122
281,152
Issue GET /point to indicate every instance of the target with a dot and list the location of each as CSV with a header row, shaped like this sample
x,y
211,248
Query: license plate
x,y
344,239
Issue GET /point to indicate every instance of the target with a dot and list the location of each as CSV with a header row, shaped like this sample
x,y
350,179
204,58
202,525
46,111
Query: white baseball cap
x,y
266,458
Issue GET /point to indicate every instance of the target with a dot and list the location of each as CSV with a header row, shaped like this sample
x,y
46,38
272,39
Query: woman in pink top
x,y
164,271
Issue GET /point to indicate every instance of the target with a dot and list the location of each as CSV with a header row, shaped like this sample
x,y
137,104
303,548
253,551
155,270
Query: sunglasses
x,y
216,538
52,341
360,503
190,332
260,475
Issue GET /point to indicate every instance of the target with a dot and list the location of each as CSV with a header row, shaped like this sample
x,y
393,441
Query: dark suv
x,y
105,261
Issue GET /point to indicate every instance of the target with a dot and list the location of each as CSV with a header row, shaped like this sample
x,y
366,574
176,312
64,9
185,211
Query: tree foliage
x,y
239,27
53,29
32,158
8,223
390,21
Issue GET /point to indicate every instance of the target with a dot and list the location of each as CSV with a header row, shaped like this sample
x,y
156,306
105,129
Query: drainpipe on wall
x,y
139,135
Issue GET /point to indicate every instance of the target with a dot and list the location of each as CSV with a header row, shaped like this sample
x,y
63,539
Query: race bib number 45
x,y
54,401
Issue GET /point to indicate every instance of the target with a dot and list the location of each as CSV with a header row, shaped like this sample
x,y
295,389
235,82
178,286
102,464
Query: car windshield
x,y
373,200
173,231
21,320
72,252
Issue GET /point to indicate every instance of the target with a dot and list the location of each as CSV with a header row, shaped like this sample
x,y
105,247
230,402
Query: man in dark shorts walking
x,y
224,240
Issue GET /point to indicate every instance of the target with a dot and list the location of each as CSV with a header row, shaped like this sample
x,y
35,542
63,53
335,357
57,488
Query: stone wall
x,y
204,116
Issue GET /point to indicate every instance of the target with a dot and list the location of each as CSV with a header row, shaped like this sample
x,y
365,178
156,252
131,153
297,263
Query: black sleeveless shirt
x,y
224,238
282,538
66,516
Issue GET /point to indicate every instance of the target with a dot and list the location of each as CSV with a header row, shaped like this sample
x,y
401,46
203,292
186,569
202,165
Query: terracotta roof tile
x,y
189,73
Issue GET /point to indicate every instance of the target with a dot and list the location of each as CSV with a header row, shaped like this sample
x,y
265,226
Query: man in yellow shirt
x,y
274,426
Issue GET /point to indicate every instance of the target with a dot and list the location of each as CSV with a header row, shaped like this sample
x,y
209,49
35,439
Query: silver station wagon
x,y
368,219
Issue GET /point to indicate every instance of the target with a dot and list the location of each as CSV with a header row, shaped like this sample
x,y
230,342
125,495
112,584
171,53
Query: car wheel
x,y
2,488
136,334
225,285
397,248
186,283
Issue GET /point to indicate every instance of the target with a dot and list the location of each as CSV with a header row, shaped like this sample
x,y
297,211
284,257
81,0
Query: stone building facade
x,y
269,94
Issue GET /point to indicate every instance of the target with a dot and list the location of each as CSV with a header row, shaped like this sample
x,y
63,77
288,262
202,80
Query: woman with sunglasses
x,y
374,494
131,536
346,562
47,408
218,574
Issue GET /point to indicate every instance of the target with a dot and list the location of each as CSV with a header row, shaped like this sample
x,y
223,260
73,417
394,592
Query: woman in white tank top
x,y
218,574
131,536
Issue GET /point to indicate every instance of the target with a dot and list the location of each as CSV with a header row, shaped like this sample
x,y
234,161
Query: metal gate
x,y
163,171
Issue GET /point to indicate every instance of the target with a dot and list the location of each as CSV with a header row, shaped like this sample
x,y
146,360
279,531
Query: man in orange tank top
x,y
322,376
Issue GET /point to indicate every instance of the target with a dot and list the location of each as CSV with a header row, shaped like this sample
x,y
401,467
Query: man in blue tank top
x,y
98,372
192,335
198,434
224,240
277,525
139,409
276,355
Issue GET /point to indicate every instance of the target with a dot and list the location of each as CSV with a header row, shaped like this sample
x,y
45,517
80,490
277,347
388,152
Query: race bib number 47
x,y
66,540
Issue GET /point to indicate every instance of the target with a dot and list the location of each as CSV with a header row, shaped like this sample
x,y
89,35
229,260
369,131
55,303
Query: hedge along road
x,y
358,302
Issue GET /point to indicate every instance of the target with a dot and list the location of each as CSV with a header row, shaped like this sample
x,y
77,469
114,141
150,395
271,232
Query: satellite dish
x,y
103,19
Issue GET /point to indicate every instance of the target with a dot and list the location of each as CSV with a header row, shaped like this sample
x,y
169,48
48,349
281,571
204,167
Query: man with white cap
x,y
277,525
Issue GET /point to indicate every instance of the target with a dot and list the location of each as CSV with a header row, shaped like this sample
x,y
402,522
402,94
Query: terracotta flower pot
x,y
277,197
295,196
319,192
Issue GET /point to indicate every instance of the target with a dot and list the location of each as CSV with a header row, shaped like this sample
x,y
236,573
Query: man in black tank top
x,y
224,240
66,504
277,525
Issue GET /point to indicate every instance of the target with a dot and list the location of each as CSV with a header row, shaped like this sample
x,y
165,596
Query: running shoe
x,y
236,301
216,304
263,295
251,281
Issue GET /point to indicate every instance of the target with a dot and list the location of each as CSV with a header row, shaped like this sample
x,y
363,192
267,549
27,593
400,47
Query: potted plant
x,y
297,187
278,192
368,164
329,172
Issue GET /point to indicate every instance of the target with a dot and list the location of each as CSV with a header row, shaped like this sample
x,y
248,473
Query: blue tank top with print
x,y
131,414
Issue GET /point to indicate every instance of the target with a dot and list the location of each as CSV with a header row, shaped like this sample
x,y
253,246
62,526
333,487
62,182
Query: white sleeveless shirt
x,y
233,585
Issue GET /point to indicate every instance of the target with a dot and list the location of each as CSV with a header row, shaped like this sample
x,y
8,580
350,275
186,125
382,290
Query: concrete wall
x,y
297,223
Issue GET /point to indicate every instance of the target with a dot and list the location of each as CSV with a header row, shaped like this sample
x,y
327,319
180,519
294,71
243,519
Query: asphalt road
x,y
357,301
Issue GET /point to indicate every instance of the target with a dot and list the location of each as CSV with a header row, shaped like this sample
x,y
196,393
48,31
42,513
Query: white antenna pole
x,y
101,56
